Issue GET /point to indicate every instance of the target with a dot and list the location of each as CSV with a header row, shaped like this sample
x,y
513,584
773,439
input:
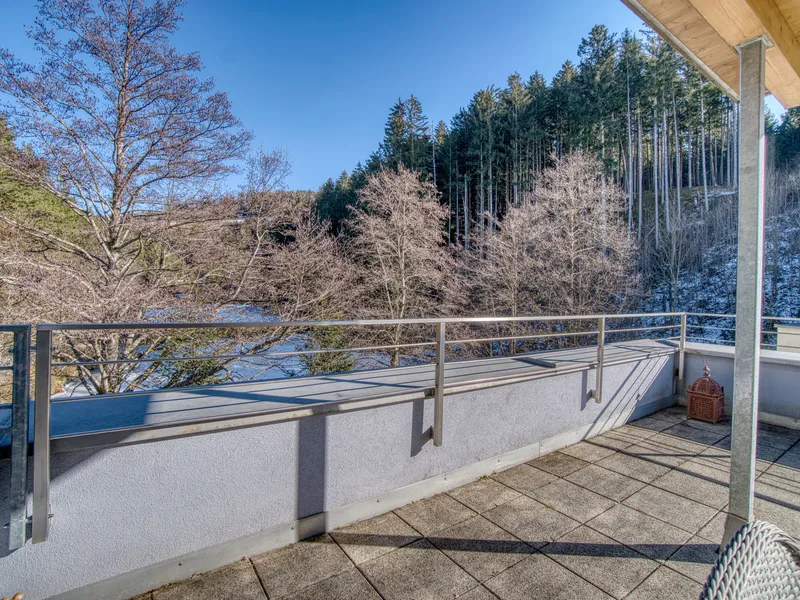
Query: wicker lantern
x,y
706,399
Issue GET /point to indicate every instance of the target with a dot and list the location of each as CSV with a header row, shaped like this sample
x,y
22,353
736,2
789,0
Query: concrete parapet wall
x,y
779,380
131,518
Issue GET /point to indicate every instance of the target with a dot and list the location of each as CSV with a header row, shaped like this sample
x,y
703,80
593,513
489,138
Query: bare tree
x,y
678,254
582,247
129,140
119,118
567,253
404,266
506,279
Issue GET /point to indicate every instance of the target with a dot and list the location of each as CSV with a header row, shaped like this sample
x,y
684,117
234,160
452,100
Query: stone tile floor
x,y
635,513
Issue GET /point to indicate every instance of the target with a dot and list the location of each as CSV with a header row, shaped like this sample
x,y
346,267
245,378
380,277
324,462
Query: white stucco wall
x,y
128,508
779,379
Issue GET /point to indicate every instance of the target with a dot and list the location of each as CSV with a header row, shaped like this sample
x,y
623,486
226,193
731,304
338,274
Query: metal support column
x,y
601,346
41,437
438,398
682,357
20,396
748,284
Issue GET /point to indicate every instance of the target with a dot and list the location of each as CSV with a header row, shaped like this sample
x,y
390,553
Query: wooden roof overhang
x,y
707,33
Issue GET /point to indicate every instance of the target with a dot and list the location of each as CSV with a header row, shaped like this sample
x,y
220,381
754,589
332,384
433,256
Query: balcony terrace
x,y
636,512
571,472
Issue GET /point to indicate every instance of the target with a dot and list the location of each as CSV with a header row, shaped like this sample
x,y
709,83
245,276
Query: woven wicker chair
x,y
761,562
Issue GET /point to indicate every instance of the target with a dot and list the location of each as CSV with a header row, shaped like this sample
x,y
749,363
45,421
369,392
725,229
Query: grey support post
x,y
601,348
438,398
748,284
20,396
41,437
682,357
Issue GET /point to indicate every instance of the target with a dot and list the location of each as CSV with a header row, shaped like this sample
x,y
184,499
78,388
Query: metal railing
x,y
721,328
682,324
685,324
44,366
18,431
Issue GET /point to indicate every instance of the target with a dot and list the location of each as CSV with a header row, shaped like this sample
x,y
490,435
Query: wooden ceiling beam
x,y
673,40
778,29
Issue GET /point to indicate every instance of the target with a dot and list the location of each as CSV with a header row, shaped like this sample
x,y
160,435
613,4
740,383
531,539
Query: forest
x,y
663,134
610,188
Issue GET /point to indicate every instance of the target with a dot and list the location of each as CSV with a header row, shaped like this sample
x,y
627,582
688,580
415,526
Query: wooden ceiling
x,y
707,32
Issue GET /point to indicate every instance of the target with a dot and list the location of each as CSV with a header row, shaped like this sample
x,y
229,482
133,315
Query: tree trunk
x,y
641,172
678,175
629,169
466,213
703,147
655,176
665,158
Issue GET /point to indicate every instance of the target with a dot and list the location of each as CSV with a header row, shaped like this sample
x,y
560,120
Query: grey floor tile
x,y
666,583
417,572
643,533
288,570
678,412
695,559
715,528
478,593
688,431
541,578
434,514
524,478
654,423
709,469
790,459
721,457
614,568
480,547
374,537
698,485
234,581
779,490
588,451
350,585
763,452
777,437
782,471
606,483
785,518
658,454
686,514
633,431
483,494
531,521
722,426
616,440
558,464
631,466
679,443
572,500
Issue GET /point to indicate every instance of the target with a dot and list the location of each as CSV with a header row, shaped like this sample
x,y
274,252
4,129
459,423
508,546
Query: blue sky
x,y
318,78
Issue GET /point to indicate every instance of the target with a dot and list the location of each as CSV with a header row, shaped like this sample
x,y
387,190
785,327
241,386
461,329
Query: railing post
x,y
682,356
438,398
41,437
20,396
601,344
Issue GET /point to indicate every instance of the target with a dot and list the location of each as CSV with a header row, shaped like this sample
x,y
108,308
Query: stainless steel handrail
x,y
242,355
728,317
330,323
